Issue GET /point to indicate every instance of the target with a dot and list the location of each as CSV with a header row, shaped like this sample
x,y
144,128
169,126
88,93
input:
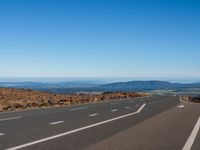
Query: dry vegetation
x,y
193,99
16,99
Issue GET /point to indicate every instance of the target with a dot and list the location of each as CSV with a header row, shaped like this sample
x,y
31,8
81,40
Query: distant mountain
x,y
87,86
144,85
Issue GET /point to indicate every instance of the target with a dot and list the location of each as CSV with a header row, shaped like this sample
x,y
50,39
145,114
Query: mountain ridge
x,y
77,86
146,85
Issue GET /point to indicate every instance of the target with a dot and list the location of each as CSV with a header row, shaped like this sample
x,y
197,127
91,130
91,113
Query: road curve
x,y
155,121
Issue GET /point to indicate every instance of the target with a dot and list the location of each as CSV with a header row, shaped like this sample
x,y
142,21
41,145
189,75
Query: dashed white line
x,y
5,119
92,115
79,108
2,134
57,122
114,103
127,107
113,110
76,130
191,139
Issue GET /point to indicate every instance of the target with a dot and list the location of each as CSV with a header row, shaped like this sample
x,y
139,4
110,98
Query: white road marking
x,y
131,101
5,119
92,115
57,122
76,130
113,110
79,108
2,134
114,103
180,106
191,139
127,107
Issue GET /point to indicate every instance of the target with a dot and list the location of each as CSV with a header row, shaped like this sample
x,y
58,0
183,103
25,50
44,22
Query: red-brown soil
x,y
17,99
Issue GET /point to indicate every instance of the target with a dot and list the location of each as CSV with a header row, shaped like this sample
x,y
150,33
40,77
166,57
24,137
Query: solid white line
x,y
80,108
2,134
191,139
58,122
92,115
76,130
113,110
5,119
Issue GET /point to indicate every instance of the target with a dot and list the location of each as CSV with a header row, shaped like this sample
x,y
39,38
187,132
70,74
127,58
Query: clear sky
x,y
100,38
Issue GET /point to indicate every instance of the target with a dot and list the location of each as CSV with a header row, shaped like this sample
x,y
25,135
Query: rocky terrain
x,y
17,99
193,99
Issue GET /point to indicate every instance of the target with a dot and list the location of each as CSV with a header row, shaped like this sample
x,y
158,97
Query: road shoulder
x,y
168,130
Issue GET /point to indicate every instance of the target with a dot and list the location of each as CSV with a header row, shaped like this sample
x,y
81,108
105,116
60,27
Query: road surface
x,y
151,123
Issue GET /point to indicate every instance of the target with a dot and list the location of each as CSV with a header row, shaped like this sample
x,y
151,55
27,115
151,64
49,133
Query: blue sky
x,y
100,38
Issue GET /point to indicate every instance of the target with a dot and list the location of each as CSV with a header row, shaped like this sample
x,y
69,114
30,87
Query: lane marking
x,y
79,108
180,106
76,130
113,110
2,134
127,107
57,122
191,139
131,101
92,115
114,103
5,119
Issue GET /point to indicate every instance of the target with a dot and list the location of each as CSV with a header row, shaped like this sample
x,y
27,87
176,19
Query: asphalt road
x,y
151,123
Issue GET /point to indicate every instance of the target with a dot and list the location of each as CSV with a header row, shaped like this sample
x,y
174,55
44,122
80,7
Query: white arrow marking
x,y
180,106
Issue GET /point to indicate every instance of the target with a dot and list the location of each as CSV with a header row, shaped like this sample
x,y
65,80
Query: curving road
x,y
158,122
